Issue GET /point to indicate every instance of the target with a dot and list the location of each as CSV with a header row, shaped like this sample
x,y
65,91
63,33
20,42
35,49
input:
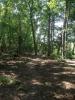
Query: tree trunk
x,y
33,28
9,35
19,50
49,33
52,33
65,29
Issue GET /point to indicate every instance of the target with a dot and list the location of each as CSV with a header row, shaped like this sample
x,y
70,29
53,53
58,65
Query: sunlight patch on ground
x,y
58,96
56,73
64,73
10,74
12,62
68,85
19,61
67,73
63,97
36,82
37,59
70,62
31,65
42,61
69,68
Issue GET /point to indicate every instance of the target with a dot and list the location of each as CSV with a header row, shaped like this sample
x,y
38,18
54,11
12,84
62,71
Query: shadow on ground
x,y
36,79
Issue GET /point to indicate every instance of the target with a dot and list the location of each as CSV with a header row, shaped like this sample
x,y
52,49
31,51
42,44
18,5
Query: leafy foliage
x,y
24,25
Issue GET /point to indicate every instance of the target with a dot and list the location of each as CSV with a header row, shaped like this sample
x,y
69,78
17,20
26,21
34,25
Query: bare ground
x,y
37,79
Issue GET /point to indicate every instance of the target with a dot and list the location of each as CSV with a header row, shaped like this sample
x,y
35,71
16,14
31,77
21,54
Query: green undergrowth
x,y
4,80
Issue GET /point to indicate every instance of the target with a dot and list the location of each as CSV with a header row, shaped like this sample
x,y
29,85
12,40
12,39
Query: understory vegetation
x,y
38,28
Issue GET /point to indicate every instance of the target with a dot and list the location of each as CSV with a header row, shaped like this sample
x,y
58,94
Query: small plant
x,y
69,54
54,56
4,80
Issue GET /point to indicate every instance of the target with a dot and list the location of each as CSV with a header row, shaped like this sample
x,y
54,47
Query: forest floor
x,y
27,78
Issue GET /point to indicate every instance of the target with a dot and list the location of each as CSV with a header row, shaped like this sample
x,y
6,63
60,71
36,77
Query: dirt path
x,y
36,79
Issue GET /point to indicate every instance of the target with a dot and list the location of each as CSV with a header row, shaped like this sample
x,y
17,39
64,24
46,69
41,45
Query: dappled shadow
x,y
37,79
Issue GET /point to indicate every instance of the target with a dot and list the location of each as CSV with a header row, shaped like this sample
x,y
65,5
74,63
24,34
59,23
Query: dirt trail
x,y
37,79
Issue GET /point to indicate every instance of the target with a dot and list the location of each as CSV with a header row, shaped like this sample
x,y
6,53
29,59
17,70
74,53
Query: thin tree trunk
x,y
9,35
49,35
33,29
62,48
65,29
3,42
19,50
52,33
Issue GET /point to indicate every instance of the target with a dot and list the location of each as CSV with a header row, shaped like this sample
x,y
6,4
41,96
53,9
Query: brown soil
x,y
37,79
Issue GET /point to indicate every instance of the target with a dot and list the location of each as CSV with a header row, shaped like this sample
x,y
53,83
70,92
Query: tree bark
x,y
33,28
49,33
65,29
19,49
